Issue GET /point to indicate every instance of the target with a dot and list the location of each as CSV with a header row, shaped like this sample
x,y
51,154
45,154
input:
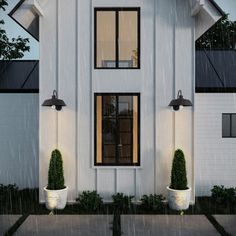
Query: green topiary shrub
x,y
152,202
55,172
178,172
223,196
90,202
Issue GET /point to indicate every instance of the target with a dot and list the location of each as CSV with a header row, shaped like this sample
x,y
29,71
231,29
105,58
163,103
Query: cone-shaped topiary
x,y
178,172
55,172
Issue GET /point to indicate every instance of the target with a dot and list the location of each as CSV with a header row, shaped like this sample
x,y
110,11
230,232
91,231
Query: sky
x,y
13,29
228,6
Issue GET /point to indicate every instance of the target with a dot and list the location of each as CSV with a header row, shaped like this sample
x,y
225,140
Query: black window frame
x,y
95,131
117,10
230,135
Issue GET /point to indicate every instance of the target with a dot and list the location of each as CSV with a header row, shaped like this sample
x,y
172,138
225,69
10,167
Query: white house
x,y
117,65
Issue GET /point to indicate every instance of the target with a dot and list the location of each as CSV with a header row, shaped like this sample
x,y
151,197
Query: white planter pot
x,y
178,199
55,199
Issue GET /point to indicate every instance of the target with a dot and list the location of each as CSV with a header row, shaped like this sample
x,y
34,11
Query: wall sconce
x,y
180,102
54,102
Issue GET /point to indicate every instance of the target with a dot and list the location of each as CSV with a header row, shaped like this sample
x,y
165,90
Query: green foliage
x,y
152,202
178,172
122,202
7,192
11,48
55,172
221,36
90,201
3,3
223,196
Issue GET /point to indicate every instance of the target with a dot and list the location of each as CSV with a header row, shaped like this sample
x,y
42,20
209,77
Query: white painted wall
x,y
19,140
215,159
66,63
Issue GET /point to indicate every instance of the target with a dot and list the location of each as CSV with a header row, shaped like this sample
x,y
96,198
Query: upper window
x,y
117,129
117,38
229,125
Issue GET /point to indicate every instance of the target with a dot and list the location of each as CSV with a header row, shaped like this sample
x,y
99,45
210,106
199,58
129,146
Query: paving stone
x,y
167,225
68,225
6,221
228,222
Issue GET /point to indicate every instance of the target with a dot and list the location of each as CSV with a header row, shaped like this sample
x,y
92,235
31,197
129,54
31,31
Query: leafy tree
x,y
221,36
11,48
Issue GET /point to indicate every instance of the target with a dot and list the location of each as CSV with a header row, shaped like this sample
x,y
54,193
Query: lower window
x,y
117,129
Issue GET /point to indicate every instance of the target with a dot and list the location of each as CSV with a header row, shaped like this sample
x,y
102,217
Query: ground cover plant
x,y
152,202
26,201
90,201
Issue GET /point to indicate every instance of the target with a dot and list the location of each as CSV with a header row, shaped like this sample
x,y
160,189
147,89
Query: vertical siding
x,y
67,90
164,91
215,162
184,80
86,175
48,82
174,71
67,64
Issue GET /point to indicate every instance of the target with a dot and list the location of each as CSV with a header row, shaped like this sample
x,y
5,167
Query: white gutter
x,y
196,7
36,7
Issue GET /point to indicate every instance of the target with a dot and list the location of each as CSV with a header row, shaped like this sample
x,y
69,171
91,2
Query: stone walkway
x,y
6,221
167,225
60,225
131,225
228,222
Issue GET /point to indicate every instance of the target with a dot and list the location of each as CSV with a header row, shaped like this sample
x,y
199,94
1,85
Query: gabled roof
x,y
207,13
26,13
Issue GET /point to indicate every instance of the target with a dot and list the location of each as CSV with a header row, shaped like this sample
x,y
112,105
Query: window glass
x,y
226,125
233,125
116,130
106,38
117,38
128,35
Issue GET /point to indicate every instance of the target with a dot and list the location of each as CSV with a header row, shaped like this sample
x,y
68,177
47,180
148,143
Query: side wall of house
x,y
215,161
66,64
19,140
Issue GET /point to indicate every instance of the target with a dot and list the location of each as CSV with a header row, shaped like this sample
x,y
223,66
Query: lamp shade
x,y
180,101
54,102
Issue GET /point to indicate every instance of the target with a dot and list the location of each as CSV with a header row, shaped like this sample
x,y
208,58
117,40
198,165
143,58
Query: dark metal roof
x,y
215,71
19,76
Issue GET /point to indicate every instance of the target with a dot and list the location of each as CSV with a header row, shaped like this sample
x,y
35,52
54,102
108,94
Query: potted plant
x,y
55,192
178,193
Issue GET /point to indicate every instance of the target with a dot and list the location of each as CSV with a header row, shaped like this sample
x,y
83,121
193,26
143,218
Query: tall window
x,y
117,129
228,125
117,38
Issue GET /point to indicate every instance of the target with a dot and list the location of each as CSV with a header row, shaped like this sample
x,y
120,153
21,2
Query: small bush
x,y
152,202
55,172
222,195
90,201
178,172
122,202
8,192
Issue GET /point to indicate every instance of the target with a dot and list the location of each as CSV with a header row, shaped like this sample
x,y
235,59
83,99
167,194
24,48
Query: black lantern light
x,y
180,101
54,102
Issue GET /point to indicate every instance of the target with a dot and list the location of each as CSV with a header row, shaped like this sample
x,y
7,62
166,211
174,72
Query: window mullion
x,y
117,39
117,131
